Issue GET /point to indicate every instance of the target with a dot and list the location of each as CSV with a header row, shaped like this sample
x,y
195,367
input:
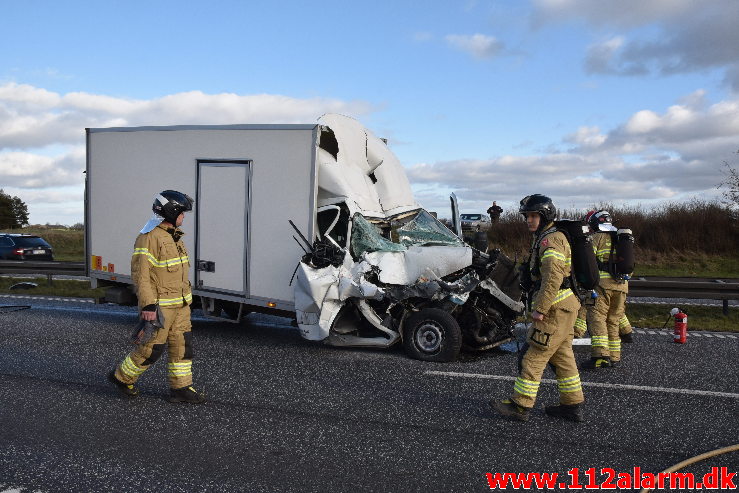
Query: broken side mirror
x,y
456,222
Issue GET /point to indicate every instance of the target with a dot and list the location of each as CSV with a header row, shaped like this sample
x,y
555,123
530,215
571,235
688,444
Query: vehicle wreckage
x,y
376,268
379,272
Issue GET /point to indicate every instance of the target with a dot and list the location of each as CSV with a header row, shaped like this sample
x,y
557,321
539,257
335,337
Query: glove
x,y
145,329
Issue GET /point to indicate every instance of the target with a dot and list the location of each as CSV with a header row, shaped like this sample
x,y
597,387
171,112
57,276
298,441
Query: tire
x,y
432,334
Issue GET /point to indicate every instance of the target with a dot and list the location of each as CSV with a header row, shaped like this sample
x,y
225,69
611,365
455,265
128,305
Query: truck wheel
x,y
432,334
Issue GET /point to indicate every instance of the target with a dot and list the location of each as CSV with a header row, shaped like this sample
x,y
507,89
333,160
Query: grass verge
x,y
699,317
693,264
60,287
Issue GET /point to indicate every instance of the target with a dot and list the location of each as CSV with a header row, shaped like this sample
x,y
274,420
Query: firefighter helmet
x,y
170,204
601,221
541,204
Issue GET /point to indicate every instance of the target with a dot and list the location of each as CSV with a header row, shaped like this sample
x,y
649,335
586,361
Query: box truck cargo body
x,y
247,182
314,221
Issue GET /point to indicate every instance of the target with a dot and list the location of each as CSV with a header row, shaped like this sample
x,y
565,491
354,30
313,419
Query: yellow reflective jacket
x,y
555,262
602,248
160,269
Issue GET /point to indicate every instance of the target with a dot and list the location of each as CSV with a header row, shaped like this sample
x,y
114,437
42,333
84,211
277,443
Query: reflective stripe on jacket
x,y
160,269
555,260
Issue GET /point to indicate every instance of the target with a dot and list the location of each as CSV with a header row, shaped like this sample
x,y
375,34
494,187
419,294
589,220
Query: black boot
x,y
598,362
509,408
186,394
571,412
127,389
628,338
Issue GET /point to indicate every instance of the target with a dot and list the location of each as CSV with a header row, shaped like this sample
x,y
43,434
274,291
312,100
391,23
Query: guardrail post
x,y
726,307
48,280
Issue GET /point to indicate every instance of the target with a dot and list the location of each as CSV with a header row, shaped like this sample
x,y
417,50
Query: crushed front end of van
x,y
383,270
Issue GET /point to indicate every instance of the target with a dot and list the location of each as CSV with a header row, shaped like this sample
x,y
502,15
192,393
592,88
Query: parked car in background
x,y
24,247
472,223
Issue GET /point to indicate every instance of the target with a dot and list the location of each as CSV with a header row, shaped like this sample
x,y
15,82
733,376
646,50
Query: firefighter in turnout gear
x,y
626,332
605,316
554,309
159,268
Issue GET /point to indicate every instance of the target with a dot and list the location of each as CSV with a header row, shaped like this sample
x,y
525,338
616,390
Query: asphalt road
x,y
288,415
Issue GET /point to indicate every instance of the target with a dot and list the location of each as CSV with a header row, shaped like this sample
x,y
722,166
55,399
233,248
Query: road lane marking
x,y
590,384
695,333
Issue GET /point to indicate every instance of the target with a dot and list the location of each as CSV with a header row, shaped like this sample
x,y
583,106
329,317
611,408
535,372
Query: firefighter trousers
x,y
177,336
550,341
604,319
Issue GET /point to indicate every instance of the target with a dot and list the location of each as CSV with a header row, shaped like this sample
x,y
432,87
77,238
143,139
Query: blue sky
x,y
618,101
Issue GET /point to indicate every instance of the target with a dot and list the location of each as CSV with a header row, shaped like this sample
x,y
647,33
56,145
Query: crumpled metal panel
x,y
320,294
429,262
365,174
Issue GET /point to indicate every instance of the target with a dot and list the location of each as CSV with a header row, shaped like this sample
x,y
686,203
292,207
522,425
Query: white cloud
x,y
622,13
685,36
42,133
650,157
33,117
478,45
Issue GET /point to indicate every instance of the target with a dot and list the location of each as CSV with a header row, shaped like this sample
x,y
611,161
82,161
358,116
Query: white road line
x,y
695,333
71,300
589,384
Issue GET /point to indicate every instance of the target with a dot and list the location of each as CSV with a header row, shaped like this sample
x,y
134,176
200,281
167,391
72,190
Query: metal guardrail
x,y
708,289
657,287
683,288
48,269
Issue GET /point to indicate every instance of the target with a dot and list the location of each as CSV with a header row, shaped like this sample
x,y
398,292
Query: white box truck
x,y
316,222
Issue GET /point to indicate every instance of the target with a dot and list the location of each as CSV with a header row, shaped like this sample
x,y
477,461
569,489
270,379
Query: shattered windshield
x,y
367,238
424,229
419,229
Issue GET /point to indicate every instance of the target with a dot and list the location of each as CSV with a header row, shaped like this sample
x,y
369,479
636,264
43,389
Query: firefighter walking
x,y
606,316
159,268
554,309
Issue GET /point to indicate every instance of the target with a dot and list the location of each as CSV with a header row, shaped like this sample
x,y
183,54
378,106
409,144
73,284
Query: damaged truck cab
x,y
382,269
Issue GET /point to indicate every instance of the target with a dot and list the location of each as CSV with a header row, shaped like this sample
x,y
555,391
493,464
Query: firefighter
x,y
581,324
625,331
554,308
159,269
606,314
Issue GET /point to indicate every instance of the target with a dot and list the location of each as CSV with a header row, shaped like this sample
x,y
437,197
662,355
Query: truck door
x,y
222,203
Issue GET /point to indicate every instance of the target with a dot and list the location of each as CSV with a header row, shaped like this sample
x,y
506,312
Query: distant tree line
x,y
13,211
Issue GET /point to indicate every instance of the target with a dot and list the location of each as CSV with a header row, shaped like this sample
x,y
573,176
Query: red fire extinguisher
x,y
680,333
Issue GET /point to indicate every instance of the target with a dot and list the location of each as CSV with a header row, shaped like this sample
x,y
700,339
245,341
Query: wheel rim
x,y
429,336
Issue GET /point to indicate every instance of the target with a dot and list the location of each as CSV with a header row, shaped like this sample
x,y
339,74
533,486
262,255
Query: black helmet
x,y
170,204
601,221
541,204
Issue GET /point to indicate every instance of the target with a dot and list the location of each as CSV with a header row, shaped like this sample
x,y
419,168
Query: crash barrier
x,y
663,287
707,289
49,269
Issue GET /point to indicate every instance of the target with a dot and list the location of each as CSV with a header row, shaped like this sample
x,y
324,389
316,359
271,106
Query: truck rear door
x,y
222,205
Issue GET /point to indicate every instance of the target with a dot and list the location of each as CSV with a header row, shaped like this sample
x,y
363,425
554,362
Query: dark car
x,y
24,247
